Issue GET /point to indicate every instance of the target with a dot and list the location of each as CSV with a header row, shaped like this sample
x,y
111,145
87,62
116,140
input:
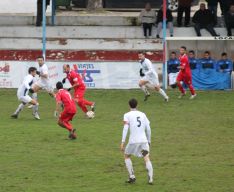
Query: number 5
x,y
139,122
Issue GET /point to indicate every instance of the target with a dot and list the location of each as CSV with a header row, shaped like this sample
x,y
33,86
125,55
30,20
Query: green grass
x,y
192,145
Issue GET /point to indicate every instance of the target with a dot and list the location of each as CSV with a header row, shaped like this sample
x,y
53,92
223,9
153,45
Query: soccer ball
x,y
90,114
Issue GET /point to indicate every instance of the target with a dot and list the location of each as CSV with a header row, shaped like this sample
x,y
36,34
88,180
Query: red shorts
x,y
66,116
186,78
79,93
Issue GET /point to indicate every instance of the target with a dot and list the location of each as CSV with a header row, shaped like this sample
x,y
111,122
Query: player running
x,y
79,88
139,140
185,74
43,82
65,101
149,77
22,94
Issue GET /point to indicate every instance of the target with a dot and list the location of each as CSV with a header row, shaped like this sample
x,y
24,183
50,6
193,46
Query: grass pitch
x,y
192,145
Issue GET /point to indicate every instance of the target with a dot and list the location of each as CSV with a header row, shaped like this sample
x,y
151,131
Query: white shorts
x,y
153,80
136,149
172,78
25,99
44,85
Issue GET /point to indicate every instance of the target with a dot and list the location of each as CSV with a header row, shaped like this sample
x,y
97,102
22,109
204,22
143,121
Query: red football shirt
x,y
63,96
184,62
74,77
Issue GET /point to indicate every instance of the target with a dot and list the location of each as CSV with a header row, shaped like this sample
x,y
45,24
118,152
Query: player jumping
x,y
79,88
139,140
65,101
185,74
23,96
149,77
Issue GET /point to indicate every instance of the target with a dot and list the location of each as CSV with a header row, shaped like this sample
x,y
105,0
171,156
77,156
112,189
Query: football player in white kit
x,y
139,140
23,96
149,77
43,82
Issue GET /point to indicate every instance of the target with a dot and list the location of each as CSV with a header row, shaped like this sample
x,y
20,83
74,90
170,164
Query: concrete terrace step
x,y
92,32
80,44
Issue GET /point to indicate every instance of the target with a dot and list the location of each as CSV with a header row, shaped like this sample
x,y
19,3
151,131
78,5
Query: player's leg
x,y
19,108
149,167
157,87
35,104
129,166
142,85
179,79
86,102
188,82
63,121
78,97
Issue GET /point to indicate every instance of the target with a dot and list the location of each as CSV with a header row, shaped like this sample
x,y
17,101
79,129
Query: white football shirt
x,y
148,68
25,86
139,125
44,71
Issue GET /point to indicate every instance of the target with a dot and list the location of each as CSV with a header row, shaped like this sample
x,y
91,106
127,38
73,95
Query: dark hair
x,y
207,52
40,57
132,103
192,51
59,85
224,54
31,69
173,52
183,47
141,52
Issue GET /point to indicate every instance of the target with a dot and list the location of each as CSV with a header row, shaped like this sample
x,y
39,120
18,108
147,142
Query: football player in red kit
x,y
79,88
185,74
65,101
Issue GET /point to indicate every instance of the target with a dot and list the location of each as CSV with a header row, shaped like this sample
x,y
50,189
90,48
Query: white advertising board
x,y
100,75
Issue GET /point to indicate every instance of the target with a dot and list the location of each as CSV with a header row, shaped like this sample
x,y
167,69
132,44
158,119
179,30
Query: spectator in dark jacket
x,y
226,5
169,21
147,18
229,20
39,11
212,6
184,6
203,18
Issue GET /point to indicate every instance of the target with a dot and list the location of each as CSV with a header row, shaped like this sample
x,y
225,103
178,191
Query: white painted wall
x,y
18,6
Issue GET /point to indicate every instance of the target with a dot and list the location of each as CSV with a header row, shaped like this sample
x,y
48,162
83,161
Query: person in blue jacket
x,y
193,61
224,65
207,62
172,69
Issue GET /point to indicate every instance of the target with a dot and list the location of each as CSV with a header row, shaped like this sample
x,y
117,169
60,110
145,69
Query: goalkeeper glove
x,y
141,73
64,80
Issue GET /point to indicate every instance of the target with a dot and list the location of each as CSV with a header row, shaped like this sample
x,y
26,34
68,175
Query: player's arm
x,y
124,135
58,107
76,82
27,84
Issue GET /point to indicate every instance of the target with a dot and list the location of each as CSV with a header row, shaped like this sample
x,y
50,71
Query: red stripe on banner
x,y
57,55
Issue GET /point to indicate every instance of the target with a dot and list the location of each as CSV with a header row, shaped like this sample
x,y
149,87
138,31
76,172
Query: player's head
x,y
141,55
182,50
206,54
132,103
173,55
40,60
191,54
66,68
32,71
202,6
147,6
59,85
224,55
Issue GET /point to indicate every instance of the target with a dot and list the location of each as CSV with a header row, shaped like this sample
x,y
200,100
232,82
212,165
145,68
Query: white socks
x,y
163,93
129,167
35,108
144,89
20,107
149,168
34,96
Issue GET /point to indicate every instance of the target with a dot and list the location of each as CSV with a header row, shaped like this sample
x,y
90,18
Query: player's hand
x,y
141,73
122,146
31,90
69,89
38,73
64,80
